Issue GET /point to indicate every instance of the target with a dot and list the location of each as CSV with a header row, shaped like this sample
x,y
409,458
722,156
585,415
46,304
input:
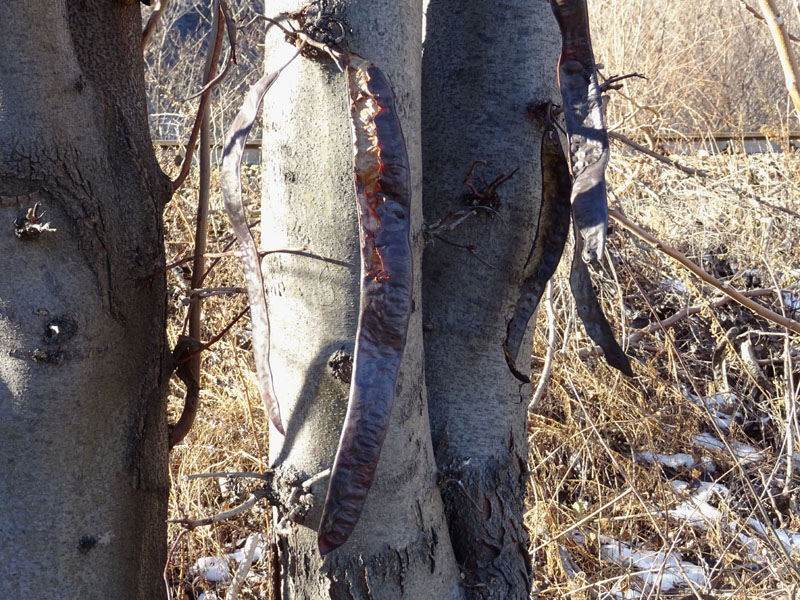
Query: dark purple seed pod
x,y
552,231
586,127
383,196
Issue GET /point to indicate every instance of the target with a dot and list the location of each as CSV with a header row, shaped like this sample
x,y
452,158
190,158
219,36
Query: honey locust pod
x,y
585,123
552,231
383,198
231,186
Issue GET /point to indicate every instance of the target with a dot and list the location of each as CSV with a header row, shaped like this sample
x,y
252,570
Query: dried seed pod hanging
x,y
383,194
552,231
231,186
586,127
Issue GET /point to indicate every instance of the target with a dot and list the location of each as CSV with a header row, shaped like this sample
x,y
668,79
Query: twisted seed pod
x,y
231,186
552,231
383,194
591,313
586,127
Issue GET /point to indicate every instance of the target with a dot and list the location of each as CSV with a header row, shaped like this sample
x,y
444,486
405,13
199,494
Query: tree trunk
x,y
482,67
455,531
82,426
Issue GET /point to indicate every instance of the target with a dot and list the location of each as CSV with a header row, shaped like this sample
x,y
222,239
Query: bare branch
x,y
645,150
705,276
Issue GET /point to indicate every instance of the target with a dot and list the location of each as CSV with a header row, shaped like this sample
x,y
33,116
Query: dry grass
x,y
230,432
590,487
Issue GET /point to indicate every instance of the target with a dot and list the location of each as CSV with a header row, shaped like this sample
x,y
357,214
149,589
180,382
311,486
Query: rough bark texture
x,y
82,428
400,547
483,64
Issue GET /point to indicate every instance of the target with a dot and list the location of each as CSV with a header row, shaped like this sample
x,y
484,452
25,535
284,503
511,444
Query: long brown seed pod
x,y
383,192
231,186
552,231
586,127
591,313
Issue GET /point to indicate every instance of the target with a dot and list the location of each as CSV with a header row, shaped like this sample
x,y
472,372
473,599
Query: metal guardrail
x,y
752,142
251,155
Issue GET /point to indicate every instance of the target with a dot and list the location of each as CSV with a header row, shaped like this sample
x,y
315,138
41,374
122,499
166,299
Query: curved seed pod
x,y
591,313
586,127
232,195
383,191
552,231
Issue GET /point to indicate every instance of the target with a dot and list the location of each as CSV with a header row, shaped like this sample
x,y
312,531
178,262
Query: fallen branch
x,y
734,294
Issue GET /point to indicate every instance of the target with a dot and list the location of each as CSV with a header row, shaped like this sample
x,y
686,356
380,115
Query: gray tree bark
x,y
483,65
444,518
82,427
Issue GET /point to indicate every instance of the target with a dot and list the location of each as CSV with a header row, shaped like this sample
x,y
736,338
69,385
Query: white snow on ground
x,y
746,454
655,569
721,406
697,512
673,461
215,569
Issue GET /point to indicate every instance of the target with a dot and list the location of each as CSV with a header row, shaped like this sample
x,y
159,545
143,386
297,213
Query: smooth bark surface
x,y
455,531
82,427
483,65
400,547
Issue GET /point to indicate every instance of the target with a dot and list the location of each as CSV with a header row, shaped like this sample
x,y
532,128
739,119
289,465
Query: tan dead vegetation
x,y
590,487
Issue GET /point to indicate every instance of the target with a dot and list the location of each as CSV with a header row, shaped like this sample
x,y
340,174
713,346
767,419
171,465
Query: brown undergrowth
x,y
633,491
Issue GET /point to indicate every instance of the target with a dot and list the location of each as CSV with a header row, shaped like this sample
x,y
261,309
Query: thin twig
x,y
155,16
541,385
638,335
169,559
268,476
736,295
195,317
761,18
216,338
251,501
665,159
213,58
791,71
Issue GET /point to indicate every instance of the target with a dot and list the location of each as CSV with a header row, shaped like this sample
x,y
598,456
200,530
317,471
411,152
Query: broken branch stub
x,y
383,194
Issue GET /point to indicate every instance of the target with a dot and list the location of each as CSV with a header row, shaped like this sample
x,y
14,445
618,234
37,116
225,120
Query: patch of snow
x,y
721,406
746,454
673,461
215,569
697,512
655,568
